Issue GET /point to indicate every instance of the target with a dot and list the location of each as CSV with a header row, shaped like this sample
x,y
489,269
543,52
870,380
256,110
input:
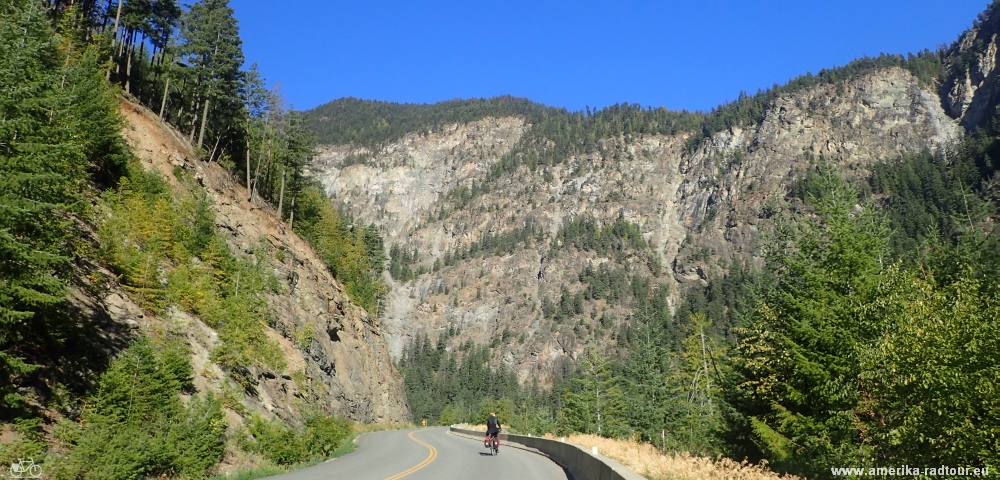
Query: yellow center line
x,y
427,461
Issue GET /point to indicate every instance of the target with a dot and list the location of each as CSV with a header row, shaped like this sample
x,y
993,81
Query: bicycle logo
x,y
25,469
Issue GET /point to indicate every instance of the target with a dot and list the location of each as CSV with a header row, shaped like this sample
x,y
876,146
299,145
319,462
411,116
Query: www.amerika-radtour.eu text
x,y
907,470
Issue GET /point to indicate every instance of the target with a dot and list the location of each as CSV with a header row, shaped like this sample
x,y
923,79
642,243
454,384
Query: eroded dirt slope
x,y
346,363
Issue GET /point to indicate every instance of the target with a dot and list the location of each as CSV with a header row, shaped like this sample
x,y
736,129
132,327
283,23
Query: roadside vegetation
x,y
654,464
90,400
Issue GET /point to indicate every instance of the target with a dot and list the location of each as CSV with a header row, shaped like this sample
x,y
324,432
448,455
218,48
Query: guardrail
x,y
581,464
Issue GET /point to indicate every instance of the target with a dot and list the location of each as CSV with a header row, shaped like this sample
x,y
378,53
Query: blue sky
x,y
681,55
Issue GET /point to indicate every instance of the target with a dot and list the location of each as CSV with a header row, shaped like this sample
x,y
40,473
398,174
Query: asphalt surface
x,y
426,454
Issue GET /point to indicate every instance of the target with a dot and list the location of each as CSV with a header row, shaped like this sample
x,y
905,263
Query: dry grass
x,y
647,461
359,428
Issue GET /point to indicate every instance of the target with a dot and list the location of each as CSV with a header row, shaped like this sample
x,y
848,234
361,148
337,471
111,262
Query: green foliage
x,y
372,124
320,438
399,263
354,254
212,48
935,196
448,416
462,386
593,401
748,110
799,354
493,244
617,239
26,442
851,359
60,129
931,383
167,252
726,298
136,425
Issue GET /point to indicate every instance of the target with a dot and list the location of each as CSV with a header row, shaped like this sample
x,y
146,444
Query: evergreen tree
x,y
594,402
211,45
60,126
651,389
799,357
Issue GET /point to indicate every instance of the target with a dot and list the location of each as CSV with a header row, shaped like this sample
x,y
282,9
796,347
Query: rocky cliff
x,y
699,204
342,366
970,92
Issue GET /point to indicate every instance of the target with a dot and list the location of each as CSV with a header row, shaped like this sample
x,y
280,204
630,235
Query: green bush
x,y
165,248
320,438
354,254
136,426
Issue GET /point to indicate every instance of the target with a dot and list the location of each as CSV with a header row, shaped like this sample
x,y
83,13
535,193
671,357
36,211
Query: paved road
x,y
426,454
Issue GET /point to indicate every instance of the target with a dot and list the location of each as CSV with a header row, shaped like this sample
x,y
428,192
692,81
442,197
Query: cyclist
x,y
492,427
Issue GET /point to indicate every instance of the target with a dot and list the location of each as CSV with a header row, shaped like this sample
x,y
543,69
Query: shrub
x,y
320,438
136,425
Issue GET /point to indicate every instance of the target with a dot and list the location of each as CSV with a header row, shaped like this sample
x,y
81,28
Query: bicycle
x,y
494,446
19,468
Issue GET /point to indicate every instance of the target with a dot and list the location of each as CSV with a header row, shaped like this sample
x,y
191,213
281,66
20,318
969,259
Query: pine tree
x,y
594,403
60,127
211,45
799,359
650,390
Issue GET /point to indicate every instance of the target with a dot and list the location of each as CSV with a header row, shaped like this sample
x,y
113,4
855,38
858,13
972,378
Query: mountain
x,y
539,230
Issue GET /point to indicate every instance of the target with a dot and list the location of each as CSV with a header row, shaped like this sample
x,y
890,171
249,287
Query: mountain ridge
x,y
698,185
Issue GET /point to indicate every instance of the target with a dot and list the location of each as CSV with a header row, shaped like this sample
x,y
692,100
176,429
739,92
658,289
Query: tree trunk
x,y
281,196
194,122
163,104
128,71
121,45
267,171
248,163
217,140
260,159
180,117
204,122
118,17
291,215
256,176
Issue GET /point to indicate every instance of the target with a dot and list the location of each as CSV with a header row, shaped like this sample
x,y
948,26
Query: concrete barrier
x,y
581,464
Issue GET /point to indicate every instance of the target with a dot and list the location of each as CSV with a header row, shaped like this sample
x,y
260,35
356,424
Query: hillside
x,y
696,210
157,318
322,334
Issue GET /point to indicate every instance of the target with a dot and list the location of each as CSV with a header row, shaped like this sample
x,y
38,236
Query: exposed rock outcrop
x,y
342,366
696,208
972,90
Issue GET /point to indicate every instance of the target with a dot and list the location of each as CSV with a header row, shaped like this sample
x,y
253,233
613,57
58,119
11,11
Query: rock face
x,y
971,91
696,208
344,367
